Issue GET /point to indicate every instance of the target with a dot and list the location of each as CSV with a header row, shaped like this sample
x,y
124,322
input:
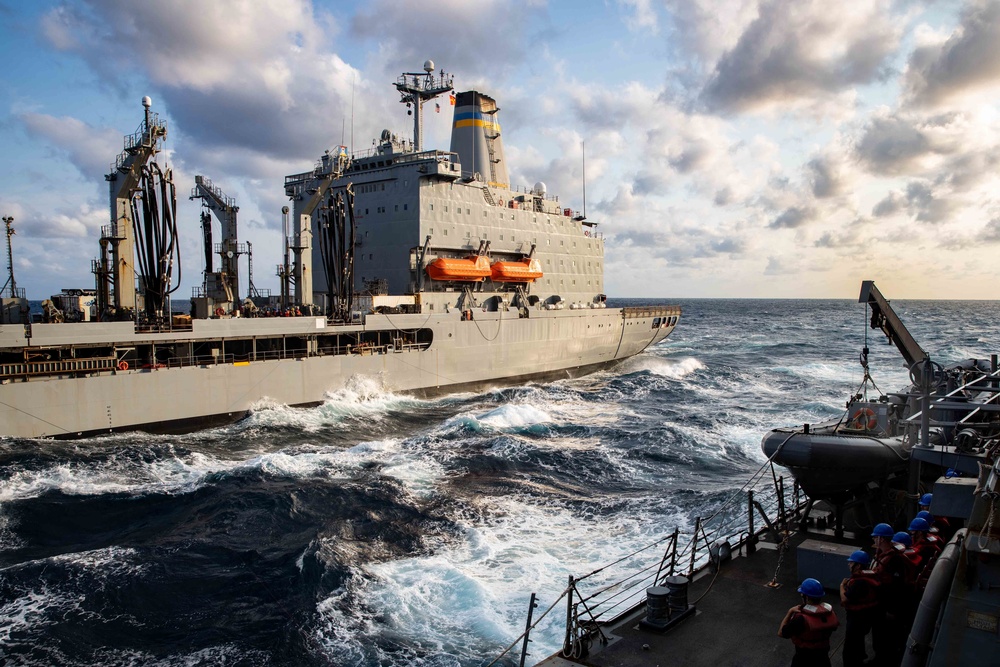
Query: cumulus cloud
x,y
968,61
90,149
828,174
503,34
889,205
793,218
794,51
262,80
892,144
991,231
640,15
921,201
709,28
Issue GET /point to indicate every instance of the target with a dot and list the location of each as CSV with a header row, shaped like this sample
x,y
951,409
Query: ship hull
x,y
494,348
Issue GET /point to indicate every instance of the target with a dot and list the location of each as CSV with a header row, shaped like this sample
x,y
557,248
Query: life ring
x,y
123,365
219,312
864,420
586,233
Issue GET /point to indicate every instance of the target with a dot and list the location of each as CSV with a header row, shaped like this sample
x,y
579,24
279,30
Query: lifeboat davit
x,y
471,269
522,271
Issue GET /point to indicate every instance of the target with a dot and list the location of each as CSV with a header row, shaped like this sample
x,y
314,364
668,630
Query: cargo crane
x,y
308,192
124,181
220,292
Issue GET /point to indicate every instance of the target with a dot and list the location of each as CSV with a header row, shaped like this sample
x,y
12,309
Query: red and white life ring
x,y
586,232
219,312
123,365
864,420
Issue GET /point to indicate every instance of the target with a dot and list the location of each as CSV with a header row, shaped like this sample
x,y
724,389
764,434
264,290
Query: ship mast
x,y
9,221
416,88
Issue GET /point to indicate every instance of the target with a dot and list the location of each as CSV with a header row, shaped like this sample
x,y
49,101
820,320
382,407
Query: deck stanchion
x,y
673,554
568,643
527,629
694,542
751,534
781,522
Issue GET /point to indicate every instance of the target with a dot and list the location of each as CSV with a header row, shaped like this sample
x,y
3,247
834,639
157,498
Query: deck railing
x,y
603,596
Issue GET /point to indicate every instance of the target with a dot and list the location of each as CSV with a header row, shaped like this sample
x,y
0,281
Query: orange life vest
x,y
820,624
864,585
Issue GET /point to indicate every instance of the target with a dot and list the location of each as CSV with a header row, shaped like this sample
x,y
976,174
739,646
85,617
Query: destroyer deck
x,y
736,621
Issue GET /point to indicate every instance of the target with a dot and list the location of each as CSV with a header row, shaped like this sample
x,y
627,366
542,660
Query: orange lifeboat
x,y
471,269
523,271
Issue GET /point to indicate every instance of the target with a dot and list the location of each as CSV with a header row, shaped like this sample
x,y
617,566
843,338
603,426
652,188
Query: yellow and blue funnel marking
x,y
476,119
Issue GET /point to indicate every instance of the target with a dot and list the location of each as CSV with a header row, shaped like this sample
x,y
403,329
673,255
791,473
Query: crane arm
x,y
885,319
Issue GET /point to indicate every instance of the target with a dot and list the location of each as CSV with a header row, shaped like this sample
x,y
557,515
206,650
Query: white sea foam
x,y
515,416
41,606
111,477
362,396
675,368
471,594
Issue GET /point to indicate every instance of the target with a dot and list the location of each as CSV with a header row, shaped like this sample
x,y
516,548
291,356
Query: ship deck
x,y
736,622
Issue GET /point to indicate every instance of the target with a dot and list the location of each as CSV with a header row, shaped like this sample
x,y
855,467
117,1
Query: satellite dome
x,y
540,188
146,102
428,66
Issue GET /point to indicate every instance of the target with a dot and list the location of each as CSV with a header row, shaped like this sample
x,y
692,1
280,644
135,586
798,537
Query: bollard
x,y
657,605
677,594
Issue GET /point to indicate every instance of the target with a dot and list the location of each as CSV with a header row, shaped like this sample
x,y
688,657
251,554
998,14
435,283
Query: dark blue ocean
x,y
378,529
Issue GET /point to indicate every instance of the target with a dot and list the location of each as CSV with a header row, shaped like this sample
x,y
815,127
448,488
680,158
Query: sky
x,y
733,148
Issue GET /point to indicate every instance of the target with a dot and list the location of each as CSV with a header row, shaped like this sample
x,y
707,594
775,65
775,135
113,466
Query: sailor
x,y
890,568
809,626
927,544
903,543
859,597
897,569
941,523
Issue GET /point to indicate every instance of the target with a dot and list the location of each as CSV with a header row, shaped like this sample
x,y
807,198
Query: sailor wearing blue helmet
x,y
924,543
892,570
859,597
940,525
809,626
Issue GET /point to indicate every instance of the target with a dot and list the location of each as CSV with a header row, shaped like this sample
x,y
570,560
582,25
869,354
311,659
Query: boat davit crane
x,y
885,319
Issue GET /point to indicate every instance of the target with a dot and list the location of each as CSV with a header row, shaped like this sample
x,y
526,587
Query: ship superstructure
x,y
424,268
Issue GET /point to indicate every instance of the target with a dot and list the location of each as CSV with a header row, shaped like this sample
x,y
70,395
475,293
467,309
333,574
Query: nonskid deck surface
x,y
736,623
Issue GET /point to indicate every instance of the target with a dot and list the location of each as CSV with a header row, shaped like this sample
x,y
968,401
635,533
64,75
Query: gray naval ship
x,y
423,269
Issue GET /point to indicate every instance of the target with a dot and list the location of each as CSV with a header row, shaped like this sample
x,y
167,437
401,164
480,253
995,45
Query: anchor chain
x,y
782,549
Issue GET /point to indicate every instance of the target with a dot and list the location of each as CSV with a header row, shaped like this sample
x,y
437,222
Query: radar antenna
x,y
415,88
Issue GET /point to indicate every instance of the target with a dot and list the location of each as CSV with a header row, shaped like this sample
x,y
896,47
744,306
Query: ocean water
x,y
379,529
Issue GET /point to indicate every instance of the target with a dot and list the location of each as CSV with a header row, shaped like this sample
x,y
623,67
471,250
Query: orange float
x,y
471,269
523,271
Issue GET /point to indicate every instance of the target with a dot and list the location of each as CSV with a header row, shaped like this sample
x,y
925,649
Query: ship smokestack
x,y
475,136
